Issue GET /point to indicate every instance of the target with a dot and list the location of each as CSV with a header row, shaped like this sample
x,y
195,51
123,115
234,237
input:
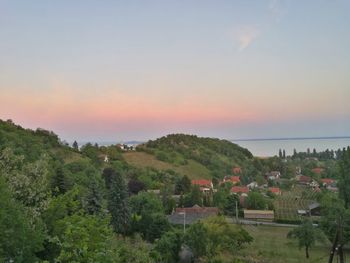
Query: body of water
x,y
270,147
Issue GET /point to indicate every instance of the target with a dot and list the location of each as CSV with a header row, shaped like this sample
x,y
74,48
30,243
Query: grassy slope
x,y
193,169
270,245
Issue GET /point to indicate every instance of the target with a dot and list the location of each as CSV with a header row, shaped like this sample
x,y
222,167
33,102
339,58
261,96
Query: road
x,y
256,223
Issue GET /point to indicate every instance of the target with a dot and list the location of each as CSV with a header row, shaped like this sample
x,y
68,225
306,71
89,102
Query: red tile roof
x,y
275,190
305,179
327,180
202,182
234,179
240,189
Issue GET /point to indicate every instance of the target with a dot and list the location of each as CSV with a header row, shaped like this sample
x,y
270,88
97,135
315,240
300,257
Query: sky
x,y
137,70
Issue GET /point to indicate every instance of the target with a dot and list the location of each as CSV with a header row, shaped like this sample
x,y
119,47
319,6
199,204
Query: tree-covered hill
x,y
63,203
217,156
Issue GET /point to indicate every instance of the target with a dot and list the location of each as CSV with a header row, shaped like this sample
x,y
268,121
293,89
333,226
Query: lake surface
x,y
270,147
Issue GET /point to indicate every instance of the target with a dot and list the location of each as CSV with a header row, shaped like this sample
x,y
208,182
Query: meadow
x,y
271,245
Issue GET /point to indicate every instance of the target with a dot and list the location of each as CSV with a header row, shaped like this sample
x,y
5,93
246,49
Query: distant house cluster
x,y
237,187
268,187
127,147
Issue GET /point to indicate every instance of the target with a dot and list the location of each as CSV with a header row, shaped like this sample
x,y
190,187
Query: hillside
x,y
192,169
190,155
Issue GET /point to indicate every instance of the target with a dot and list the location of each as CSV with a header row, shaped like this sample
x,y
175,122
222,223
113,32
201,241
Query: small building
x,y
236,170
252,185
204,185
275,190
189,215
259,215
273,175
233,179
304,180
302,212
240,190
327,181
314,184
314,209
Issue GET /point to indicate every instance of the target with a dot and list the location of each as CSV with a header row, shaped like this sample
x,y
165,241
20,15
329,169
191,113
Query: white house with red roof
x,y
240,190
204,185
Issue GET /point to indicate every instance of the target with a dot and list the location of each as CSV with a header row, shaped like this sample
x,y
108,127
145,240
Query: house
x,y
232,179
314,184
252,185
327,181
236,170
273,175
189,215
317,170
302,212
305,180
275,190
204,185
260,215
240,190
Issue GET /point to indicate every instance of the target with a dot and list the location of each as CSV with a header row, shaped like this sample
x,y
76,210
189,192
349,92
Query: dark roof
x,y
178,219
314,205
192,214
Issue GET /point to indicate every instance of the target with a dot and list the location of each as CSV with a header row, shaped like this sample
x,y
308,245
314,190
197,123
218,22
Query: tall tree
x,y
75,146
117,200
344,182
93,198
280,153
19,239
58,181
307,235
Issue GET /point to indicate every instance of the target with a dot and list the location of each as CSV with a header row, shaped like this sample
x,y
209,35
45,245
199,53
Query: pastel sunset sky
x,y
137,70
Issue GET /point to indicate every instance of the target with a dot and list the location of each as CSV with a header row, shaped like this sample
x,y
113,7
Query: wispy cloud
x,y
245,35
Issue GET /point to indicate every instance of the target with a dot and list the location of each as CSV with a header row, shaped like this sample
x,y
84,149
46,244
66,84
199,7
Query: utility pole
x,y
184,214
236,212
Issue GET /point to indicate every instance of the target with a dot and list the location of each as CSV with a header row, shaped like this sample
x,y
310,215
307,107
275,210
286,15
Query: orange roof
x,y
318,170
327,180
235,179
202,182
275,190
240,189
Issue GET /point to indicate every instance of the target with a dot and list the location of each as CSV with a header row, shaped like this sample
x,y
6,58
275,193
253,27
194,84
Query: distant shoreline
x,y
291,138
105,143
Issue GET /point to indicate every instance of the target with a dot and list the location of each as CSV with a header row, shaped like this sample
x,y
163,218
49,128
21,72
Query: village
x,y
288,206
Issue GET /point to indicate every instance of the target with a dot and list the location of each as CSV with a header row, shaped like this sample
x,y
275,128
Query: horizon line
x,y
292,138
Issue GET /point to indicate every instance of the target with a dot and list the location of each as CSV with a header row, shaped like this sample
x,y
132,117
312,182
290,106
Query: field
x,y
270,245
288,203
193,170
